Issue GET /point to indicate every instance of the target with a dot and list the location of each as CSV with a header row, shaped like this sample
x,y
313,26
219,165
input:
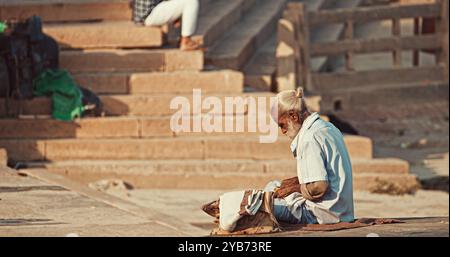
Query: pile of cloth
x,y
243,212
250,212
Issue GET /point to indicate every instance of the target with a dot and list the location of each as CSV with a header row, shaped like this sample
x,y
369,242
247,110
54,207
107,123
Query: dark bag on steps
x,y
27,52
93,106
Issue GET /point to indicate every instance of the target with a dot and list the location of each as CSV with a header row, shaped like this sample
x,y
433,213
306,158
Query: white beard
x,y
293,129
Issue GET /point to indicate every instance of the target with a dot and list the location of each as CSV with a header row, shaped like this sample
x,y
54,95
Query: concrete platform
x,y
39,203
34,207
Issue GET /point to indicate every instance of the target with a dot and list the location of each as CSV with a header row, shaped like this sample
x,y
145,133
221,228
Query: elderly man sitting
x,y
324,171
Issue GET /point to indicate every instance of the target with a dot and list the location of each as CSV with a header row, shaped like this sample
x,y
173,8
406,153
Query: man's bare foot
x,y
187,44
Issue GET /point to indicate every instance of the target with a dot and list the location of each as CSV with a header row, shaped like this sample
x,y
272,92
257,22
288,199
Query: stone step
x,y
215,167
124,127
385,96
66,10
109,34
260,71
223,174
217,19
221,81
131,60
169,148
237,47
151,104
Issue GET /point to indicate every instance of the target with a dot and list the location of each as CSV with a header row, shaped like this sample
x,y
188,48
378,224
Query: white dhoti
x,y
169,11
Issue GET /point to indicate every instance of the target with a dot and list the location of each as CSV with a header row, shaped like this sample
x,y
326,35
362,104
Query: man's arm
x,y
312,171
314,191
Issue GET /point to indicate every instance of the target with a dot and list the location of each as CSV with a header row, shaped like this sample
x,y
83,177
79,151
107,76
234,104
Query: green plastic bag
x,y
2,27
65,93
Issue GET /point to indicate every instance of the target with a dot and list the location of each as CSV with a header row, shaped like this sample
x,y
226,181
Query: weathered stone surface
x,y
131,60
381,166
260,82
35,106
112,60
387,184
387,166
184,82
159,104
162,82
83,128
225,148
359,147
209,174
137,149
3,157
217,19
183,60
104,83
24,150
76,10
240,45
112,34
155,127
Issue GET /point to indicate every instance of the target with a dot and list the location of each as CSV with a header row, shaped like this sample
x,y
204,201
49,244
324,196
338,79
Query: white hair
x,y
291,101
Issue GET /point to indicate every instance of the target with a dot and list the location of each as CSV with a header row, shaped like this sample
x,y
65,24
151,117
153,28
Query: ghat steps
x,y
136,76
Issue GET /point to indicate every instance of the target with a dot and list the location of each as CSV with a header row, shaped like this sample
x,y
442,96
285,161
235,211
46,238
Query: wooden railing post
x,y
436,42
443,30
302,26
416,32
348,35
289,64
296,13
287,55
397,53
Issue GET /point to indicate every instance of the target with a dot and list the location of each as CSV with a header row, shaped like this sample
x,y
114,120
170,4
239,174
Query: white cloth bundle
x,y
231,203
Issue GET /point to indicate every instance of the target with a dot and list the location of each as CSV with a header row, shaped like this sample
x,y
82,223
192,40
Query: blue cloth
x,y
292,210
283,212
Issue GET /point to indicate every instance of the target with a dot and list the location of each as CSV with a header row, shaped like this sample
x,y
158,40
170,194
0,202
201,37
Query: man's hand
x,y
313,191
288,186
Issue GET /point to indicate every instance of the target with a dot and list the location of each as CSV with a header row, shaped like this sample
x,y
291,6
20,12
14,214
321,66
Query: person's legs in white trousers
x,y
169,11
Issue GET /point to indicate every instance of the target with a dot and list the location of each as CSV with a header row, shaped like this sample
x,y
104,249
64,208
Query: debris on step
x,y
112,186
384,186
415,144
